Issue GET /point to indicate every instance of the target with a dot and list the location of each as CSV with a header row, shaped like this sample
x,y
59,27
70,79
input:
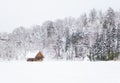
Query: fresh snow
x,y
59,72
31,54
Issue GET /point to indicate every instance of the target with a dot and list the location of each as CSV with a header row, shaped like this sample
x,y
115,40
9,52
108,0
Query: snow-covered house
x,y
35,56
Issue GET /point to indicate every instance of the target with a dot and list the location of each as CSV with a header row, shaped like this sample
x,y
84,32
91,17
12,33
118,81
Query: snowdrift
x,y
59,72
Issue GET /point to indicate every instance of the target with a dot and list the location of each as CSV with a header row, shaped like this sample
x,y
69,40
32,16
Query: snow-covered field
x,y
59,72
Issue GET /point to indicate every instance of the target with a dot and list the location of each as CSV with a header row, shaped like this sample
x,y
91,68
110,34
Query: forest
x,y
95,36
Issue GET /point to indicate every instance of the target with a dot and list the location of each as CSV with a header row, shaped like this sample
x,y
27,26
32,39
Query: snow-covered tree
x,y
95,35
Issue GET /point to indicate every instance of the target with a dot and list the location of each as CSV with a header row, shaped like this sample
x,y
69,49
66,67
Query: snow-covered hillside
x,y
59,72
95,35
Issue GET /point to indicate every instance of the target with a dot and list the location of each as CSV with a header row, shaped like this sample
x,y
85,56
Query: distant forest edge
x,y
95,36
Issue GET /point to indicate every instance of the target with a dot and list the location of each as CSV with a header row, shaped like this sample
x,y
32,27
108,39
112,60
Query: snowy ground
x,y
59,72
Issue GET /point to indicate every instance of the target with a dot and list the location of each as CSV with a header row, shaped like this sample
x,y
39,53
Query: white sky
x,y
15,13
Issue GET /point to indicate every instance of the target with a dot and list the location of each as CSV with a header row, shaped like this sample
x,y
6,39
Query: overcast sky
x,y
15,13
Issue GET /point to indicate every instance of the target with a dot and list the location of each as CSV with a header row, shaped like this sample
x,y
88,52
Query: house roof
x,y
31,54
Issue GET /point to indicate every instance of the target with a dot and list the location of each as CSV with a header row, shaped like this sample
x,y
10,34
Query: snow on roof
x,y
31,54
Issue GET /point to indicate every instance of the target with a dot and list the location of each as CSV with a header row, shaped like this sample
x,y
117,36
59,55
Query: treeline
x,y
95,35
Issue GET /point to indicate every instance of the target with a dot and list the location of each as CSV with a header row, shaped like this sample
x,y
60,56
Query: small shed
x,y
34,56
